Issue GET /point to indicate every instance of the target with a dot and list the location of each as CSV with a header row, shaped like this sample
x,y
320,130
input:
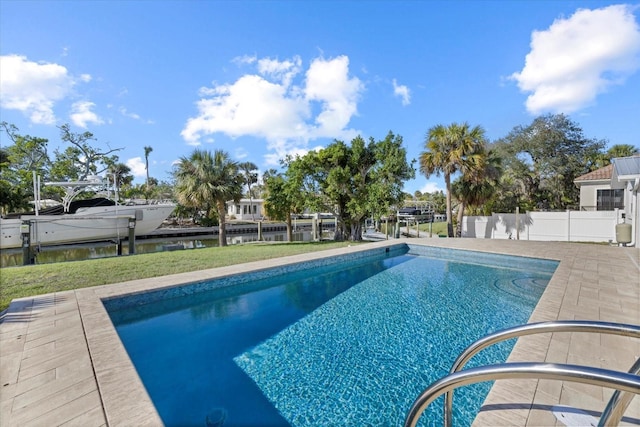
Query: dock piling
x,y
25,231
132,236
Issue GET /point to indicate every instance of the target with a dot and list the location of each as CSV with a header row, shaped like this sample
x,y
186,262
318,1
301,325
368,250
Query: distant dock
x,y
231,229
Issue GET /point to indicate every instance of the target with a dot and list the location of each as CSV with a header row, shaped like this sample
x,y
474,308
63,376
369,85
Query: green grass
x,y
438,228
18,282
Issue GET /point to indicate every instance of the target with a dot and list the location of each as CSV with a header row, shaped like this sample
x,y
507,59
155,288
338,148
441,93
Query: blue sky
x,y
262,79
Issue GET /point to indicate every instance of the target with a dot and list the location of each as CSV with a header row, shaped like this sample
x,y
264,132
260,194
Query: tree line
x,y
531,168
79,157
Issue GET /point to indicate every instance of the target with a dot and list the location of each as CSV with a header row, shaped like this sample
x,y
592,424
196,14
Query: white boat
x,y
82,220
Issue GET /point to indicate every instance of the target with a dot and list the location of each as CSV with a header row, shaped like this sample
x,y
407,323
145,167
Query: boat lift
x,y
72,189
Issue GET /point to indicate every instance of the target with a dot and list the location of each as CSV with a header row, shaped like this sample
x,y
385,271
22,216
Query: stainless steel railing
x,y
618,403
552,371
531,329
615,408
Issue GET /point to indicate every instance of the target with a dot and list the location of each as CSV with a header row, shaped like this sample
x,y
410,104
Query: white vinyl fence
x,y
568,226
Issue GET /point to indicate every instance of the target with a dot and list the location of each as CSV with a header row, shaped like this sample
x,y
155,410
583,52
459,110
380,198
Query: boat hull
x,y
86,225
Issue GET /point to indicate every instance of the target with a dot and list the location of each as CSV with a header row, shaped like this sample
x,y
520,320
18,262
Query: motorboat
x,y
88,220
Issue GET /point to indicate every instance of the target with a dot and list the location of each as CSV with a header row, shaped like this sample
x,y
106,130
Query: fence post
x,y
386,228
314,227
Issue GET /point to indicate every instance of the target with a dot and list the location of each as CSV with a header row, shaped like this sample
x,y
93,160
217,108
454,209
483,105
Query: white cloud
x,y
268,105
281,149
283,71
328,82
126,113
250,106
402,91
137,166
135,116
240,153
33,88
431,187
245,59
578,58
81,114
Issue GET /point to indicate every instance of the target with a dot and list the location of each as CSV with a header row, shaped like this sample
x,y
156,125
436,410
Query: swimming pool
x,y
334,342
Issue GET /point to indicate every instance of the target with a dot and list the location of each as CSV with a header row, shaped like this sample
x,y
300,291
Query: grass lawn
x,y
437,228
18,282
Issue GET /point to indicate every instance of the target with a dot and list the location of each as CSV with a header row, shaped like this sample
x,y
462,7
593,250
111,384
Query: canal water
x,y
47,255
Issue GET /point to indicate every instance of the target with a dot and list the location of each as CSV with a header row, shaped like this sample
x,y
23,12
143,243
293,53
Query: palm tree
x,y
147,151
618,150
449,150
206,180
478,184
121,174
249,176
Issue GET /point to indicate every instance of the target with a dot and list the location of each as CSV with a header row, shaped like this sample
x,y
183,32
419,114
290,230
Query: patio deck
x,y
62,363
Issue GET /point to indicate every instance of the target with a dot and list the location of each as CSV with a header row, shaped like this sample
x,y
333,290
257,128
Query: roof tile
x,y
598,174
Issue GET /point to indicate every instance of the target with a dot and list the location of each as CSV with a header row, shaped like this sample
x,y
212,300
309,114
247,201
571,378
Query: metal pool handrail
x,y
551,371
531,329
616,405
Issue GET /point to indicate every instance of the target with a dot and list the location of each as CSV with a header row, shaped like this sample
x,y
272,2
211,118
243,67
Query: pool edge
x,y
592,282
124,396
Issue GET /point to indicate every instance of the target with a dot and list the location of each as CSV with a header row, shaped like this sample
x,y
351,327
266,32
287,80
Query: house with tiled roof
x,y
626,175
596,193
614,187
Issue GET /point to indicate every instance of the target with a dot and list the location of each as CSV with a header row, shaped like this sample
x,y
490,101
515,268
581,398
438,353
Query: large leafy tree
x,y
352,181
548,155
449,150
12,197
512,191
25,156
81,158
206,180
282,199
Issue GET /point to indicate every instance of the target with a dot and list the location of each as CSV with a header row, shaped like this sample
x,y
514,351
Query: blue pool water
x,y
346,341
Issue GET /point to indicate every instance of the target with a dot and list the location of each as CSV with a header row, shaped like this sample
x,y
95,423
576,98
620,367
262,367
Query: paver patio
x,y
62,363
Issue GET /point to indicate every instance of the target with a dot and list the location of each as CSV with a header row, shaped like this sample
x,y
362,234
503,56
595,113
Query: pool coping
x,y
594,282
